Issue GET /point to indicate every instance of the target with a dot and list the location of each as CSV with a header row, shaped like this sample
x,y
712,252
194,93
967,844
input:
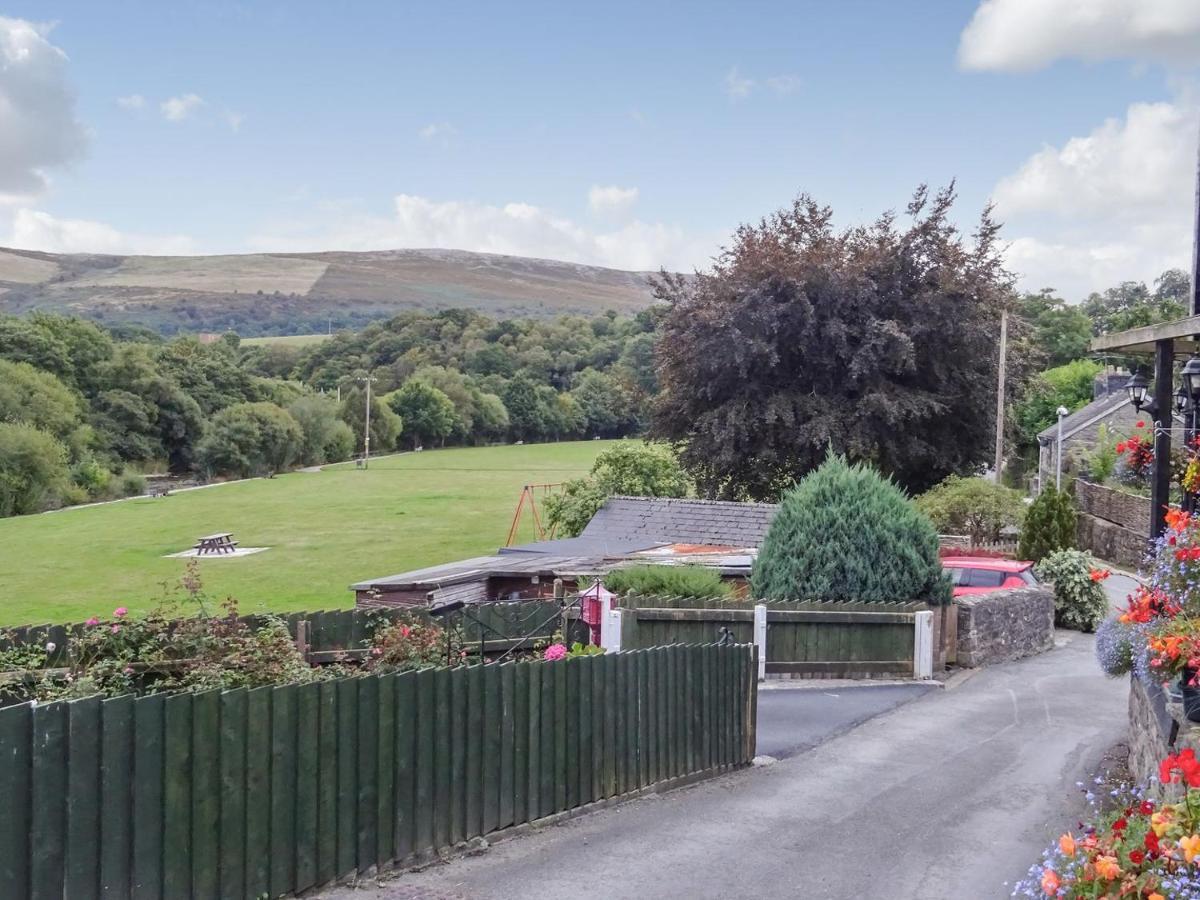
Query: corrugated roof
x,y
1084,417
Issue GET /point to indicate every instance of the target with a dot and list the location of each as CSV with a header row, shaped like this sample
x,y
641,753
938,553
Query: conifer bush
x,y
846,533
1049,526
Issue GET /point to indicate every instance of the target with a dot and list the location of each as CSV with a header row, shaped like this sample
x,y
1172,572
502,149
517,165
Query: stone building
x,y
1110,407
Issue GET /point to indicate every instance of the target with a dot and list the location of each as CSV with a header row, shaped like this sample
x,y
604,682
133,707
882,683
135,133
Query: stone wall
x,y
1112,524
1111,542
1004,625
1150,724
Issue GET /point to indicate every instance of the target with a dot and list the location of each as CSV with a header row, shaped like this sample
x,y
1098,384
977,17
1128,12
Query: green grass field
x,y
288,340
326,530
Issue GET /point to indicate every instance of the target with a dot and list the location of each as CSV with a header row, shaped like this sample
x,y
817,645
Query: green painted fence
x,y
803,637
272,791
500,624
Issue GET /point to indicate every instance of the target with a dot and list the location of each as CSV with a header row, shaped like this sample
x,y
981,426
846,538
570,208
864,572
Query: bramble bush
x,y
1080,601
846,533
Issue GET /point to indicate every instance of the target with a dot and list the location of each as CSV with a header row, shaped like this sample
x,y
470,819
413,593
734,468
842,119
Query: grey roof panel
x,y
681,521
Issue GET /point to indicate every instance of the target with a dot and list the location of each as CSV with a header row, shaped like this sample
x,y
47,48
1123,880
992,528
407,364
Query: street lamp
x,y
1138,387
1062,412
1191,378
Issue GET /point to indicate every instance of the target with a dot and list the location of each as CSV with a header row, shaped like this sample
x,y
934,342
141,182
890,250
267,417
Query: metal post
x,y
1062,412
1160,486
367,428
999,464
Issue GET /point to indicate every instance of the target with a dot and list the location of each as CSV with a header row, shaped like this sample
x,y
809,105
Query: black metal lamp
x,y
1138,387
1191,377
1182,400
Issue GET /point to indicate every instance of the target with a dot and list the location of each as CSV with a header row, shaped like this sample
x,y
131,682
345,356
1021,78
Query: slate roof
x,y
1084,417
660,520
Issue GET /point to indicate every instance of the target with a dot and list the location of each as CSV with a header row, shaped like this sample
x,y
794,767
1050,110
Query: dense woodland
x,y
878,342
85,411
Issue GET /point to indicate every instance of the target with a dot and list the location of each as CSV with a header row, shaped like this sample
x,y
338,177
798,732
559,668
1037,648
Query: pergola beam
x,y
1183,333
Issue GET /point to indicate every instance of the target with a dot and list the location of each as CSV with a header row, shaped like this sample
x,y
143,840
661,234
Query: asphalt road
x,y
952,795
794,719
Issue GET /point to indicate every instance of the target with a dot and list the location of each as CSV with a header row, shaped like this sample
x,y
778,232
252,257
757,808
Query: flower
x,y
1137,857
92,621
1185,764
1108,868
1190,846
128,670
1066,844
1099,574
555,651
51,646
116,629
1156,896
120,612
1141,423
1050,882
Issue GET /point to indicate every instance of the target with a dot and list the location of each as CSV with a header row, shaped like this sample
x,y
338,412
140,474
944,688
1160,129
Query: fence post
x,y
610,629
923,644
760,638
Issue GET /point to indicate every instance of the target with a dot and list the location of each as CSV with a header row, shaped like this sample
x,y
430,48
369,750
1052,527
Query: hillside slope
x,y
290,293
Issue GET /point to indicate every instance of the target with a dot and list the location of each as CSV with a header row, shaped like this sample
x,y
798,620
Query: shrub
x,y
408,644
632,468
251,439
1117,642
846,533
132,484
1049,525
973,506
1102,460
33,469
669,581
1080,601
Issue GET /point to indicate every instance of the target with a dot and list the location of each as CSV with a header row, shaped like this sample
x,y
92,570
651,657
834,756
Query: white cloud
x,y
38,127
611,199
785,84
517,229
737,86
176,109
32,229
1020,35
132,101
1112,205
435,130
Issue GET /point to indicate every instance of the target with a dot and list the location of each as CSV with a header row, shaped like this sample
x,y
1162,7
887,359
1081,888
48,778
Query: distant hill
x,y
295,293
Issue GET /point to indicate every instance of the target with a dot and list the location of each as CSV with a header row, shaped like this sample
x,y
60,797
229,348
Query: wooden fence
x,y
331,634
809,638
272,791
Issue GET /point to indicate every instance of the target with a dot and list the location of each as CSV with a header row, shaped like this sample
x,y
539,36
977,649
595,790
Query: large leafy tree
x,y
33,468
251,439
428,414
879,342
1131,304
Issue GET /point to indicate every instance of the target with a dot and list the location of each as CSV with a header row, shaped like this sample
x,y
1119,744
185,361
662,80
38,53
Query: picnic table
x,y
216,543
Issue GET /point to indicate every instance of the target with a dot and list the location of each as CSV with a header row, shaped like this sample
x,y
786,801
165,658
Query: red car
x,y
978,575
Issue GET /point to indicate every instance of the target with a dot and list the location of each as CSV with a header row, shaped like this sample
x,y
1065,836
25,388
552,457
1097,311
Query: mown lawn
x,y
326,530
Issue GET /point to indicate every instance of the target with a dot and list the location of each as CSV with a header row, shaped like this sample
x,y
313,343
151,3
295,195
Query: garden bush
x,y
972,506
846,533
1080,601
667,581
1049,525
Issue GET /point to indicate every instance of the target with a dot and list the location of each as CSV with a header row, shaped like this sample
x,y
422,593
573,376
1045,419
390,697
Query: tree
x,y
33,469
606,406
326,438
37,398
1070,386
972,506
386,426
491,417
1049,525
846,533
526,415
630,468
427,413
1131,304
879,342
251,439
1060,332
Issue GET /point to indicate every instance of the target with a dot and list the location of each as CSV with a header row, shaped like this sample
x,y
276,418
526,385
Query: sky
x,y
632,135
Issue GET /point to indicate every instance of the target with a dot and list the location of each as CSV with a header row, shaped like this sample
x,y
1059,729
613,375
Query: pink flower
x,y
555,651
93,621
116,628
120,612
129,670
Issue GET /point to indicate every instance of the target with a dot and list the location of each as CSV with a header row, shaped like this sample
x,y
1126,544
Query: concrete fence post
x,y
923,644
760,639
610,629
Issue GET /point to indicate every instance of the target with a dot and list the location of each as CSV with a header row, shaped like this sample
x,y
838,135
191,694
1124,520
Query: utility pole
x,y
367,428
1000,393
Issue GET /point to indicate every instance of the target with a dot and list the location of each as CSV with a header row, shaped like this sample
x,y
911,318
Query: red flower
x,y
1137,857
1141,423
1151,843
1120,825
1121,447
1185,764
1146,808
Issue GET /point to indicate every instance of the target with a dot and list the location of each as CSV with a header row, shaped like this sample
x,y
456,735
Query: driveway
x,y
951,795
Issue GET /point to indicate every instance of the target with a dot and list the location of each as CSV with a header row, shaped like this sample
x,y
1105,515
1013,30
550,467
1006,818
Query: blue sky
x,y
626,134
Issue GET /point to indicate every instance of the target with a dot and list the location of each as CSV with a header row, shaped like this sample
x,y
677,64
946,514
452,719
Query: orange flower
x,y
1108,868
1177,519
1050,883
1066,844
1099,574
1156,897
1190,846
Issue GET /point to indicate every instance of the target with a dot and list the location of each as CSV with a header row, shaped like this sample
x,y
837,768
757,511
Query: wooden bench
x,y
215,543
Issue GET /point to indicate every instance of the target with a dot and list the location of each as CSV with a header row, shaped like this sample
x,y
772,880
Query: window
x,y
984,578
1027,576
